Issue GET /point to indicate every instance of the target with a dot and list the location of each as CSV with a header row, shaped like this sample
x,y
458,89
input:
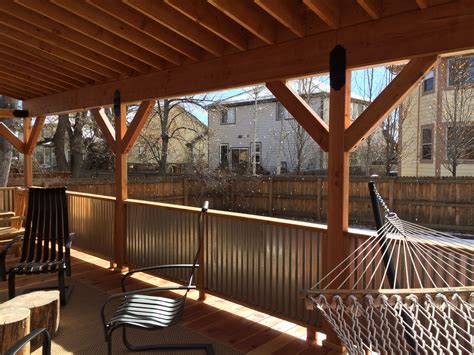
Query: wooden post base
x,y
14,325
44,307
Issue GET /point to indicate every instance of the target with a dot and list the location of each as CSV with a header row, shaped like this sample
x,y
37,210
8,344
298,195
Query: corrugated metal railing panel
x,y
6,198
264,265
92,220
158,236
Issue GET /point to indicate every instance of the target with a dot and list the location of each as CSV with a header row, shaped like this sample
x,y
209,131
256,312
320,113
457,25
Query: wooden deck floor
x,y
240,327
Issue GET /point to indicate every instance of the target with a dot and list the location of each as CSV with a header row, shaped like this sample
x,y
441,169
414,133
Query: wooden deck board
x,y
245,329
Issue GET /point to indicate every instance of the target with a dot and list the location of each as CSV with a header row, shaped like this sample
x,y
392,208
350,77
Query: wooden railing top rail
x,y
93,196
235,215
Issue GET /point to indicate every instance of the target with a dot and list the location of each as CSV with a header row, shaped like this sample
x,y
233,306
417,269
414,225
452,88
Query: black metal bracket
x,y
20,113
117,103
337,67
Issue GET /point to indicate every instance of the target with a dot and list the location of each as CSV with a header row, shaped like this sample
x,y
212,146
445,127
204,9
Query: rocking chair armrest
x,y
140,291
6,214
157,267
25,340
11,219
6,247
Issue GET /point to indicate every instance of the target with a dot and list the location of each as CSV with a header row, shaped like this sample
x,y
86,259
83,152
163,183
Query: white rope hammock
x,y
407,289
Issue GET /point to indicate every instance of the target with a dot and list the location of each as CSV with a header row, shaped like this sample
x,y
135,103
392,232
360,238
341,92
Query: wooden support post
x,y
319,193
121,177
334,246
27,157
270,196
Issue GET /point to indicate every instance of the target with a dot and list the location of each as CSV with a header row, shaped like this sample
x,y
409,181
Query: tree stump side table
x,y
14,325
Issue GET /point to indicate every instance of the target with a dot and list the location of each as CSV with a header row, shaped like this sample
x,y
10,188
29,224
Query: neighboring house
x,y
187,145
256,127
440,122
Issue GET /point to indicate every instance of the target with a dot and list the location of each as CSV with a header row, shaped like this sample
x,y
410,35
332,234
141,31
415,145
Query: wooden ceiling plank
x,y
11,137
245,14
302,112
173,20
48,51
121,29
15,51
372,7
146,25
73,40
133,131
32,70
395,92
35,133
388,42
13,93
209,17
327,10
105,126
141,59
422,4
33,82
74,53
287,12
24,87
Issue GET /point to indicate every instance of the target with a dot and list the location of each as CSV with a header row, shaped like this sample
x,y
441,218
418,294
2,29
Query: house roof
x,y
70,55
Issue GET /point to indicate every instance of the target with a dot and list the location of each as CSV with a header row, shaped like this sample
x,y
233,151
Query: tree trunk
x,y
5,146
164,136
77,143
164,155
59,140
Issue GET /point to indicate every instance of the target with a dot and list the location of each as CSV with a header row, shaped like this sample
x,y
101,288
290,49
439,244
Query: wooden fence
x,y
444,204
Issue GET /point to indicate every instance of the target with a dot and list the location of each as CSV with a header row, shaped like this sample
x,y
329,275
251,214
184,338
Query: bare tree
x,y
5,146
458,112
59,141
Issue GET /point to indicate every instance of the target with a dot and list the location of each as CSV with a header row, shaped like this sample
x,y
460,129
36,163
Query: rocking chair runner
x,y
139,309
46,241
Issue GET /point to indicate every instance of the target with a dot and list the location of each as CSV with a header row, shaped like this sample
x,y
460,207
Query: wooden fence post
x,y
270,196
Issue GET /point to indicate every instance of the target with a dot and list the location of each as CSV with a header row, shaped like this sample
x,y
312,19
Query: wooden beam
x,y
105,126
120,29
35,133
423,4
293,58
248,16
211,18
372,7
173,20
302,112
327,10
58,14
12,113
148,26
11,137
287,12
133,131
27,158
388,99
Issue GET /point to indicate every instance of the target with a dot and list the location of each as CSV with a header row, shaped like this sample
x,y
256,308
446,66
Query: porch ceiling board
x,y
437,29
287,12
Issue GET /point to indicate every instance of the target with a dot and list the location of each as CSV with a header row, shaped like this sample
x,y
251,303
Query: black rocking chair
x,y
139,309
46,241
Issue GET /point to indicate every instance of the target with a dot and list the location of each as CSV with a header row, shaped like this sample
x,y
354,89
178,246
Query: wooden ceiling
x,y
64,55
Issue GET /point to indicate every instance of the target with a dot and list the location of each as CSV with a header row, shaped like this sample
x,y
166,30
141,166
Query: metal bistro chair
x,y
18,346
46,241
139,309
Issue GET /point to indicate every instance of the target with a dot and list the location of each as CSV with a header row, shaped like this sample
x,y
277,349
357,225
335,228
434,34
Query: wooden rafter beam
x,y
133,131
302,112
173,20
287,12
422,4
12,113
105,126
210,18
327,10
290,59
388,99
372,7
35,133
250,17
10,136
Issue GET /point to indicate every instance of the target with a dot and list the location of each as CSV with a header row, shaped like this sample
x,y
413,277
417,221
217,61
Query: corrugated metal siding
x,y
253,262
92,221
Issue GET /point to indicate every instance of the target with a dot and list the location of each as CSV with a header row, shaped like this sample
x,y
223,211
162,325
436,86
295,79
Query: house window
x,y
428,82
460,142
282,113
240,158
256,149
224,155
228,116
460,71
427,143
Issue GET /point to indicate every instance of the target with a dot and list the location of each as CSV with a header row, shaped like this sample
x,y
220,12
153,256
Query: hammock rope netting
x,y
407,289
